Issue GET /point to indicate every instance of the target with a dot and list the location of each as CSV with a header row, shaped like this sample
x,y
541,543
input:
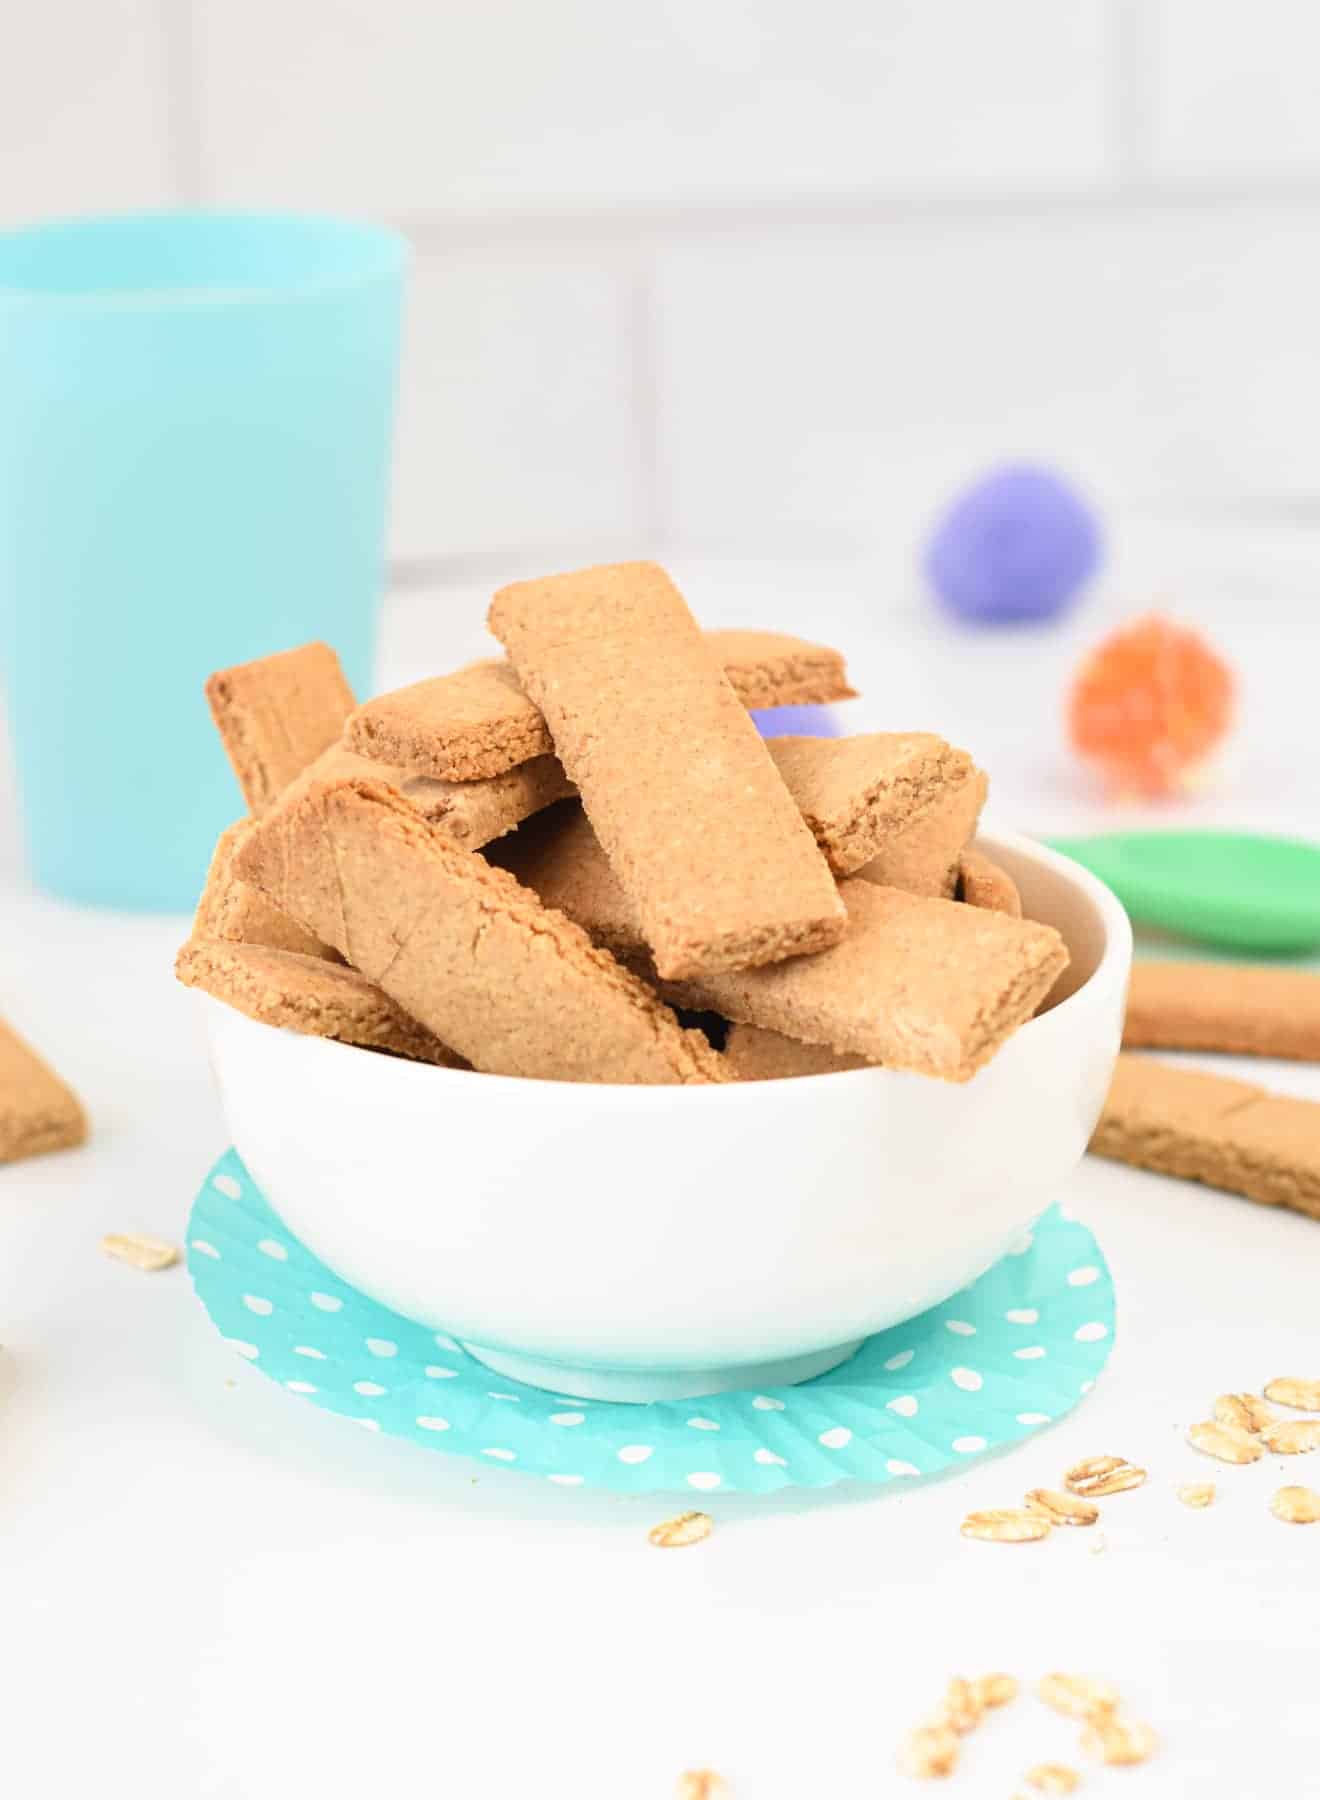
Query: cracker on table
x,y
38,1111
1244,1009
1208,1128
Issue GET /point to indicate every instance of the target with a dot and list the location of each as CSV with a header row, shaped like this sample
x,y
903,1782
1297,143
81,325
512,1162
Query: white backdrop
x,y
746,274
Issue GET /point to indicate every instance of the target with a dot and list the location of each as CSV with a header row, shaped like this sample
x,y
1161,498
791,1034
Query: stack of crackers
x,y
582,862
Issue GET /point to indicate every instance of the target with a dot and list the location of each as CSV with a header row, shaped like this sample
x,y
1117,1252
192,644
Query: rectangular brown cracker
x,y
38,1111
983,883
1227,1134
277,714
858,793
558,856
478,722
850,800
919,984
916,983
768,668
232,912
508,984
923,858
1252,1009
678,784
757,1055
470,813
307,994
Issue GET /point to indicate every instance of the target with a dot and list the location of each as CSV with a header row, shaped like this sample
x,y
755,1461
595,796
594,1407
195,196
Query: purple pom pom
x,y
796,721
1018,544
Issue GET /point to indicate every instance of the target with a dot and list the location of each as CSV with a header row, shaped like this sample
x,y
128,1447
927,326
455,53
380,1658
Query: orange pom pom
x,y
1149,705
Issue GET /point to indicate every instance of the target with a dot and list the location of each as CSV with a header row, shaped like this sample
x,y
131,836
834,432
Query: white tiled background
x,y
753,275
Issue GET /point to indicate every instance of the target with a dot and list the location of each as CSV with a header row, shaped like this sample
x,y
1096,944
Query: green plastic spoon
x,y
1236,890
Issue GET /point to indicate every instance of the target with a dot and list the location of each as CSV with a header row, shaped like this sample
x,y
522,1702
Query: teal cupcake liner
x,y
1000,1360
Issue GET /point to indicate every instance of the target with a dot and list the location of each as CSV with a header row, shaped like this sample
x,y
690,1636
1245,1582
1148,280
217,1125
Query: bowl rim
x,y
395,1072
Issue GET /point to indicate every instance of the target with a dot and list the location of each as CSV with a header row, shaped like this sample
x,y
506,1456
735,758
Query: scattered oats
x,y
996,1690
702,1784
1062,1509
1006,1525
1292,1390
1098,1544
687,1528
1118,1742
1079,1696
1227,1442
929,1751
142,1252
1243,1410
1296,1506
1101,1475
1197,1493
1292,1437
962,1706
1053,1778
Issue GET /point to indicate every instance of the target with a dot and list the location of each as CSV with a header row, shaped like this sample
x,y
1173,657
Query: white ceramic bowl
x,y
660,1242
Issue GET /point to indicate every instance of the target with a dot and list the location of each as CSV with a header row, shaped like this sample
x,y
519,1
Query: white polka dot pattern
x,y
1006,1356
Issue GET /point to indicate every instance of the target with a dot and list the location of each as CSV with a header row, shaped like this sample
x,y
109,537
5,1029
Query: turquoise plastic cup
x,y
195,420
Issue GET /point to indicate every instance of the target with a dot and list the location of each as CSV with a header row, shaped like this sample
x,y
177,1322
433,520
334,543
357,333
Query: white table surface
x,y
212,1589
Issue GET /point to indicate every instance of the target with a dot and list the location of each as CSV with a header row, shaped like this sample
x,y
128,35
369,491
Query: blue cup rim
x,y
382,254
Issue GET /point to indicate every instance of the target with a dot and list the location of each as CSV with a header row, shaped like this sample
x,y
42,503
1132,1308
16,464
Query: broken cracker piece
x,y
277,714
38,1111
678,784
309,995
924,858
507,983
858,793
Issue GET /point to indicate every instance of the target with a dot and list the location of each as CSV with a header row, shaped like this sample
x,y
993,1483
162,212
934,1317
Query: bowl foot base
x,y
639,1386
